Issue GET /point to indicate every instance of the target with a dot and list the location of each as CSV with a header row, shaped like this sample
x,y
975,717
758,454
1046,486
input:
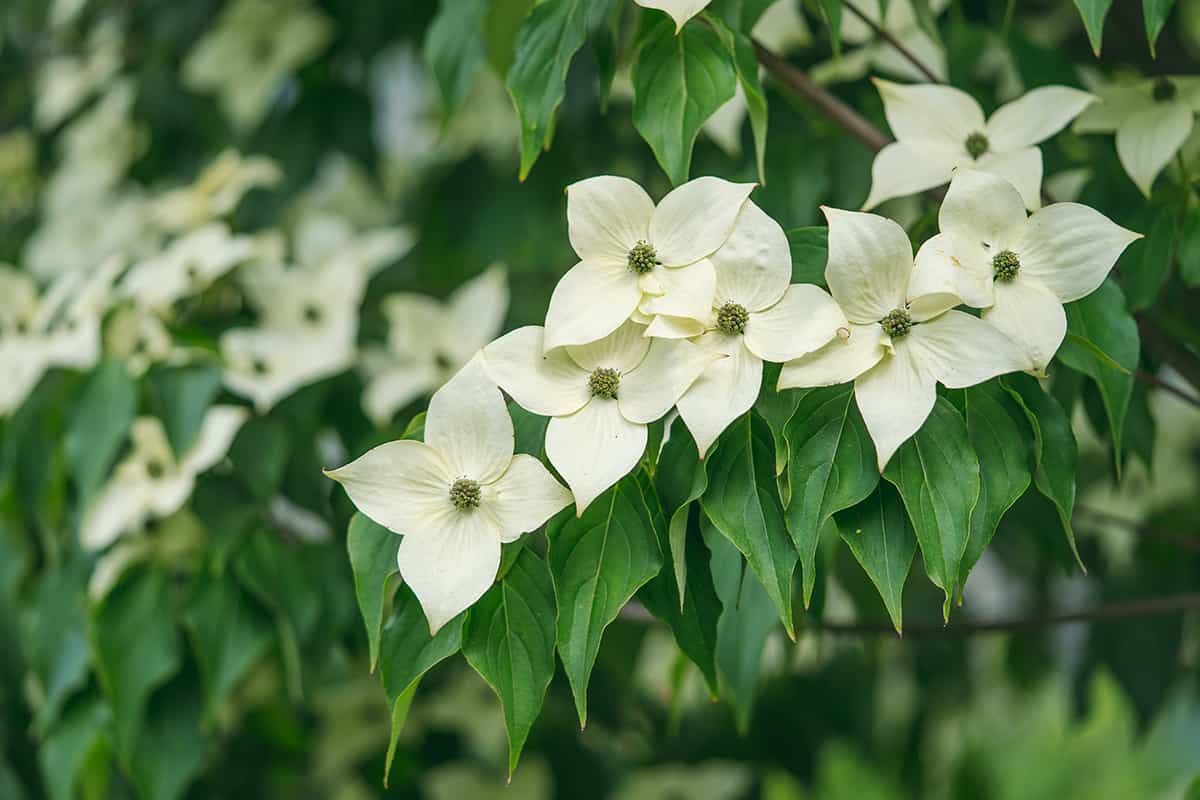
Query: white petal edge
x,y
1035,116
1070,248
930,113
694,219
546,383
590,302
854,350
1148,139
451,568
754,266
593,449
725,390
904,168
402,485
1029,314
688,292
524,497
1021,168
606,216
468,424
870,263
670,367
959,350
895,398
804,320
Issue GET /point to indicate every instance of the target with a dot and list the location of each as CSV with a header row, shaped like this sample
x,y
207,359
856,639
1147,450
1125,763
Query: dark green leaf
x,y
228,633
500,29
747,617
745,63
833,16
372,549
54,641
598,561
1093,13
882,540
548,41
776,407
1146,264
81,731
1188,252
937,474
136,649
529,431
831,466
181,397
98,424
680,479
1054,448
509,640
260,454
170,751
810,251
1101,319
454,48
678,82
999,435
1156,13
743,503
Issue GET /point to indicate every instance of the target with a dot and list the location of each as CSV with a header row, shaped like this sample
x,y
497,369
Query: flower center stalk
x,y
642,258
1164,90
732,319
155,469
312,314
465,494
977,144
604,382
259,367
897,323
1006,265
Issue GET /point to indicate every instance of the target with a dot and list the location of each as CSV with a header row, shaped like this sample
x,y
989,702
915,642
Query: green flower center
x,y
642,258
464,494
259,367
897,323
155,470
1164,90
604,382
977,144
732,319
312,314
1006,265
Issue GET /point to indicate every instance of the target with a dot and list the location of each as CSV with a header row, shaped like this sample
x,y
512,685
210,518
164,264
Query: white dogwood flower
x,y
1020,269
66,81
600,396
430,340
216,191
456,497
266,365
1152,119
640,261
150,482
188,266
679,10
939,129
756,317
901,340
254,46
140,339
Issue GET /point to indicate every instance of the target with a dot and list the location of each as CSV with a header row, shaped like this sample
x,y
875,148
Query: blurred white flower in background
x,y
216,191
187,266
66,81
255,45
341,186
430,340
872,52
150,482
139,338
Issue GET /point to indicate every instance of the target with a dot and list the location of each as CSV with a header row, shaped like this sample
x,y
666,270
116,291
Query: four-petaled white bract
x,y
600,396
679,10
1151,118
456,497
940,128
1018,269
641,262
902,339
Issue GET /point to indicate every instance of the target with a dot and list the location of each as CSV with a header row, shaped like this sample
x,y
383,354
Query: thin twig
x,y
1138,608
1181,540
893,41
1153,380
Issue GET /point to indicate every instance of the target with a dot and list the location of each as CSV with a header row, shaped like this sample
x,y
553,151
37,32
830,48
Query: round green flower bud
x,y
1006,265
1164,90
897,323
465,493
732,319
604,382
642,258
977,144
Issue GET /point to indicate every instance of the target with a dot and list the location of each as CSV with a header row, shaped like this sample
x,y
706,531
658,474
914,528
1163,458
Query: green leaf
x,y
136,649
833,16
372,550
937,474
680,479
454,48
98,425
181,397
747,617
598,561
260,455
995,425
546,45
1054,449
1156,13
54,641
810,252
529,431
228,633
500,29
1093,13
170,752
883,542
831,466
745,64
776,407
743,503
1101,319
691,614
1146,264
71,743
1187,255
679,81
509,640
407,652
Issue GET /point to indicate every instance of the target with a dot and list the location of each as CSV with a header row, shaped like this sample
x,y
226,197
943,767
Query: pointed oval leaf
x,y
883,542
372,550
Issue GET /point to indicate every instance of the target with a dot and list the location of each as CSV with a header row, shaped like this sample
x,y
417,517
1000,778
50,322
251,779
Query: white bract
x,y
679,10
939,129
150,482
640,261
901,339
430,340
900,21
600,396
266,365
188,266
456,497
140,338
756,317
65,81
1020,269
216,191
1152,119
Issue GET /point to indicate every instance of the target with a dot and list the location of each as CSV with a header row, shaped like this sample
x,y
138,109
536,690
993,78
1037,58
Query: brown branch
x,y
1156,606
893,42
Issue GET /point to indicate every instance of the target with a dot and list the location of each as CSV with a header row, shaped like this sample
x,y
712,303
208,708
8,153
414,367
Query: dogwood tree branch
x,y
895,43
